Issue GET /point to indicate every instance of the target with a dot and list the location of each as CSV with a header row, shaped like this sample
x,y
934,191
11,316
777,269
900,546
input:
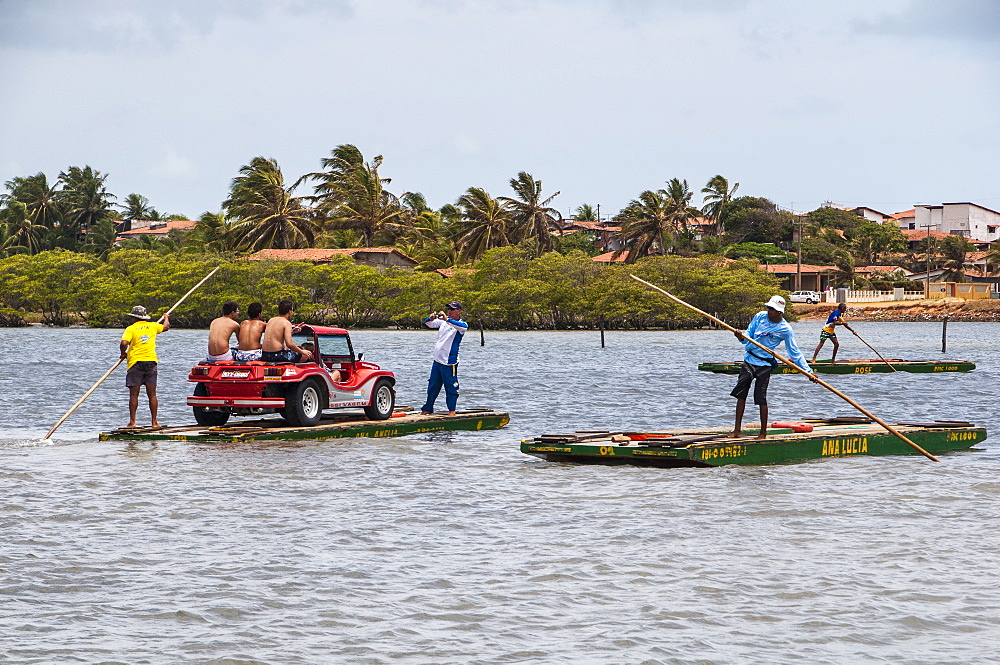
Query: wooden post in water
x,y
601,323
944,334
482,334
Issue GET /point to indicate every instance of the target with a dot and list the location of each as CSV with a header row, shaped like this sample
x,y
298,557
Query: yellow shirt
x,y
141,337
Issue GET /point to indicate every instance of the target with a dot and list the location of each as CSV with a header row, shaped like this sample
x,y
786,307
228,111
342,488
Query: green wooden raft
x,y
334,426
837,437
857,366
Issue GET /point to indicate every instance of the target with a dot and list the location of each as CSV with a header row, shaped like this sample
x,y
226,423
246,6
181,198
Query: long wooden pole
x,y
826,385
872,348
120,360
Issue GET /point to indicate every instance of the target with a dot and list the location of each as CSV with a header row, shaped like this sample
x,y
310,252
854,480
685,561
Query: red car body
x,y
298,391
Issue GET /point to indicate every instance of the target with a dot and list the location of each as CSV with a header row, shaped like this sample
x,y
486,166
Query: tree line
x,y
509,288
349,203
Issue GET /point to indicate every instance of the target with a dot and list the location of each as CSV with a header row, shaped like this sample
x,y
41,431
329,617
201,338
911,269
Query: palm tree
x,y
21,233
151,243
486,223
85,197
586,213
954,249
646,225
717,193
265,213
681,210
532,217
213,233
40,198
993,259
845,268
352,195
136,207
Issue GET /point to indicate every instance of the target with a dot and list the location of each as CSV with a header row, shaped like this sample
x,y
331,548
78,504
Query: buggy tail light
x,y
273,371
200,371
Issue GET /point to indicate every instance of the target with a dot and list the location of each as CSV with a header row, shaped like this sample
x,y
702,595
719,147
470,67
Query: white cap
x,y
777,302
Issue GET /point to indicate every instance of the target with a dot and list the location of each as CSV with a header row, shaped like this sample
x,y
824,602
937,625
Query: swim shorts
x,y
748,373
246,356
141,373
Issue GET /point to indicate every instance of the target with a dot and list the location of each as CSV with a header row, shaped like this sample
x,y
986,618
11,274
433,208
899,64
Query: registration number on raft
x,y
723,451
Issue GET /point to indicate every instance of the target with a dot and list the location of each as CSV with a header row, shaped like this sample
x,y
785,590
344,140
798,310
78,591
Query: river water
x,y
456,548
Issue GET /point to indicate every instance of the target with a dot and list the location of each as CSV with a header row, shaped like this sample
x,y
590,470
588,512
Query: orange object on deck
x,y
792,425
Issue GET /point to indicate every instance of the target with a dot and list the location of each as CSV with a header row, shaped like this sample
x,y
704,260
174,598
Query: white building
x,y
969,220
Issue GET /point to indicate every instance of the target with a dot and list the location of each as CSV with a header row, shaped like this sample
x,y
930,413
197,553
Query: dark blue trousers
x,y
442,375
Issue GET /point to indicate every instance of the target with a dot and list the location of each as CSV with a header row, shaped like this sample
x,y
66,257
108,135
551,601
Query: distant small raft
x,y
843,437
857,366
336,426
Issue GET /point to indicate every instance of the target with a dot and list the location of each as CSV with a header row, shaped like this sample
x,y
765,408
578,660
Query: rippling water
x,y
456,548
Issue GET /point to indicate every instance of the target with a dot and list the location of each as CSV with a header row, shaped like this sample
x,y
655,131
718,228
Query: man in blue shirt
x,y
770,329
444,372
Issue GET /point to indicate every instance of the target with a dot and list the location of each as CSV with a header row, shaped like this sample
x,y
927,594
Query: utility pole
x,y
798,269
927,264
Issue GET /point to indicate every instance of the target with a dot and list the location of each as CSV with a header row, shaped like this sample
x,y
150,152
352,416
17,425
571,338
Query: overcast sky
x,y
885,103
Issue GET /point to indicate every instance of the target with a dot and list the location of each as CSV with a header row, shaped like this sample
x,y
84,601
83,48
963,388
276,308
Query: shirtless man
x,y
220,332
278,345
249,336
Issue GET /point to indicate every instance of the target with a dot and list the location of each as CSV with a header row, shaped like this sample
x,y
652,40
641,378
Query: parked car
x,y
809,297
298,391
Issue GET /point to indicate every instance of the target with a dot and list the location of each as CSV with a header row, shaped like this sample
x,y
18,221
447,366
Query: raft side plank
x,y
323,431
838,441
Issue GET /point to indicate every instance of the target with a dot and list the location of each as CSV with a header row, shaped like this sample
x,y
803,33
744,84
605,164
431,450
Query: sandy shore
x,y
956,309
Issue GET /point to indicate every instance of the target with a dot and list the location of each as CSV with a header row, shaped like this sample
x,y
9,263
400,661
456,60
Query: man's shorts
x,y
142,373
228,355
285,355
826,335
245,356
748,373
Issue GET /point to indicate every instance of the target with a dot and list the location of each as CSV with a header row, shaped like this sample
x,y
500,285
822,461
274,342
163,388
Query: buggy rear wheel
x,y
304,404
208,416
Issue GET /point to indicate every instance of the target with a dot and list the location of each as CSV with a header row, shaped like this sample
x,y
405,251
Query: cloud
x,y
958,20
174,166
109,26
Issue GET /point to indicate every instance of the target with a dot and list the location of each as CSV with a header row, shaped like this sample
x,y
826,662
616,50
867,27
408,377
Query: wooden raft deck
x,y
708,447
856,366
333,426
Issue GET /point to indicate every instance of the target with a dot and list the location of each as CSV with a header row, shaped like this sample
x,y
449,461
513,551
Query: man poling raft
x,y
122,359
787,362
767,329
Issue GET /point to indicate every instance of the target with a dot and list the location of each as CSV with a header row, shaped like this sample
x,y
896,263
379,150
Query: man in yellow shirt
x,y
138,345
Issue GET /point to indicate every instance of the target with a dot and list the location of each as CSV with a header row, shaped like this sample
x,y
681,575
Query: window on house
x,y
912,226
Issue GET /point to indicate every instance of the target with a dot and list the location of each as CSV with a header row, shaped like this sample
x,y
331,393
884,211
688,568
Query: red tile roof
x,y
921,234
320,254
609,257
912,212
175,225
792,268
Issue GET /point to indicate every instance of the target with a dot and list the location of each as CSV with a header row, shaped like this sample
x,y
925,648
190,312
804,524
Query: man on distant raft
x,y
444,372
770,329
829,332
221,331
138,345
249,336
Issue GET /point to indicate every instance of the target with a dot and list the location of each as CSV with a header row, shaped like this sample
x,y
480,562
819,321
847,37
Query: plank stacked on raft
x,y
337,426
709,447
857,366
